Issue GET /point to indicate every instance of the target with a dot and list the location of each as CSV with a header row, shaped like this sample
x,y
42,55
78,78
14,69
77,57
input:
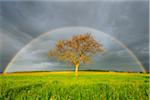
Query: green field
x,y
64,86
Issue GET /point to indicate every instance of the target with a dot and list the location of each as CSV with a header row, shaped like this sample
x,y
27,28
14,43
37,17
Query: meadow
x,y
64,86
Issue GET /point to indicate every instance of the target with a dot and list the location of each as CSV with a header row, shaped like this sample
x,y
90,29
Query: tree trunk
x,y
76,70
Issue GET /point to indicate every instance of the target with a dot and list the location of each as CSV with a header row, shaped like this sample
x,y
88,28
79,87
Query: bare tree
x,y
76,50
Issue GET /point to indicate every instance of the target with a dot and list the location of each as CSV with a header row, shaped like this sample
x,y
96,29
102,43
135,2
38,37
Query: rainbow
x,y
113,38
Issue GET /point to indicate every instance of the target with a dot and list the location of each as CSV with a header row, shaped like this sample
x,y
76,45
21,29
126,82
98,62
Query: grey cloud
x,y
23,21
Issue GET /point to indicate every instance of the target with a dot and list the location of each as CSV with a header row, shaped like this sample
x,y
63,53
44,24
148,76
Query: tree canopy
x,y
76,50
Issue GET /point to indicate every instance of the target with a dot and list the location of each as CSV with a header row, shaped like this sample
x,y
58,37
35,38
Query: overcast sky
x,y
21,22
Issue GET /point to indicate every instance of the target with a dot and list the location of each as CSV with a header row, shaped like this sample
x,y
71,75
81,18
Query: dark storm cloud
x,y
23,21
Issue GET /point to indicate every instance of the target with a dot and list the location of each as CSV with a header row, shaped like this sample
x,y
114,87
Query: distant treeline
x,y
79,70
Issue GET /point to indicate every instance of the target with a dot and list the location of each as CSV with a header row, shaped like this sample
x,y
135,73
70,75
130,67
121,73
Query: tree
x,y
76,50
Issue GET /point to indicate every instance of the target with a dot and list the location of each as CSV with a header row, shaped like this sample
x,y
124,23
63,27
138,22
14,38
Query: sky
x,y
21,22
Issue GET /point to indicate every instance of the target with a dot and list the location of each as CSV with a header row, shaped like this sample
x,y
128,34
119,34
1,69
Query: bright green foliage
x,y
90,86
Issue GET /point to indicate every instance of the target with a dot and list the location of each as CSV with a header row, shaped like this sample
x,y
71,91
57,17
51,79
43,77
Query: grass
x,y
64,86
